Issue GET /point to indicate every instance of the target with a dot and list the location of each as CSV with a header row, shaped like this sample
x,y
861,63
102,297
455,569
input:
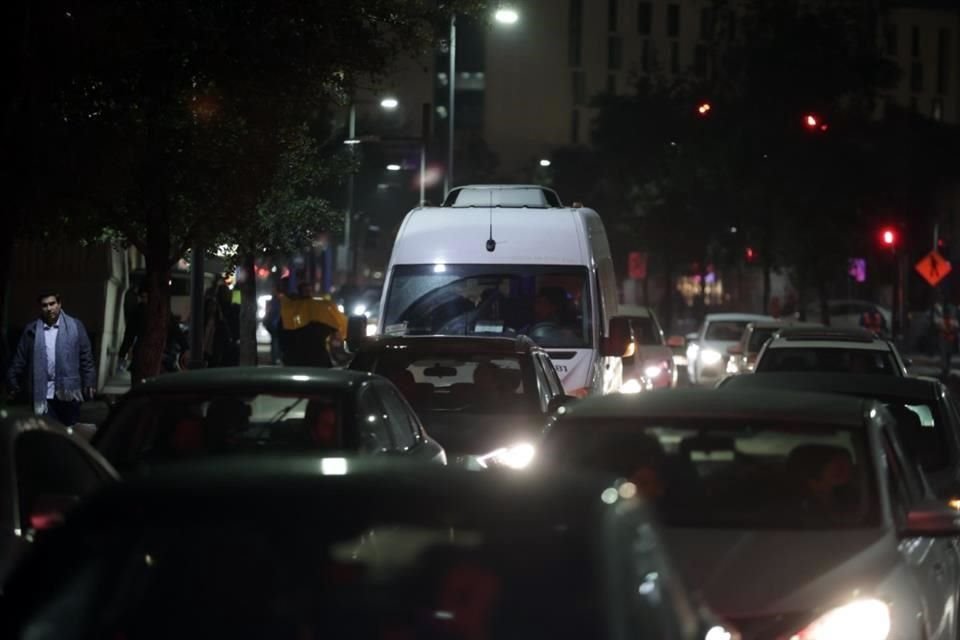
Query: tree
x,y
169,122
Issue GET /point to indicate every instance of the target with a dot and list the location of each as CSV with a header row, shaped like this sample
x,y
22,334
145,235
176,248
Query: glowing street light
x,y
393,167
506,15
389,103
545,163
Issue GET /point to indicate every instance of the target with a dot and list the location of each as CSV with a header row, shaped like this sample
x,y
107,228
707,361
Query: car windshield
x,y
726,330
230,574
167,428
758,337
737,474
533,198
549,304
645,331
827,360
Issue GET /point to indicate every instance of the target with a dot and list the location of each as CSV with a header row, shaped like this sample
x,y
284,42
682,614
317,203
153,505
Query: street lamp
x,y
389,103
393,167
545,163
505,16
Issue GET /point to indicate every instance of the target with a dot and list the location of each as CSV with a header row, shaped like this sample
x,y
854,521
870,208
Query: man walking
x,y
55,352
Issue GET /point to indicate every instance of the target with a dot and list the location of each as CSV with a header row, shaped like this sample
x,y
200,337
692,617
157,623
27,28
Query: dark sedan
x,y
927,419
484,397
46,469
291,549
242,410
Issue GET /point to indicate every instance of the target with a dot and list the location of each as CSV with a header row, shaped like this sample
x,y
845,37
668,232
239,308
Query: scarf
x,y
69,386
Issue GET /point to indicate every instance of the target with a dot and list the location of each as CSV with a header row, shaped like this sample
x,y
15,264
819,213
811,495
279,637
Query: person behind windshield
x,y
827,474
550,317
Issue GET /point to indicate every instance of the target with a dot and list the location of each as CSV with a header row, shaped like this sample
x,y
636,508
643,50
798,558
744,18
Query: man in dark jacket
x,y
55,354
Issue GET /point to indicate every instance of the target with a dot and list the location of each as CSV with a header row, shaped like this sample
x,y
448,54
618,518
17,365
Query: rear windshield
x,y
726,330
533,198
731,474
827,360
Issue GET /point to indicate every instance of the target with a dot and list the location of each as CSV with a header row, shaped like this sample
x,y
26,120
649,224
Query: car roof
x,y
786,406
863,385
253,380
796,334
782,324
392,488
452,344
740,317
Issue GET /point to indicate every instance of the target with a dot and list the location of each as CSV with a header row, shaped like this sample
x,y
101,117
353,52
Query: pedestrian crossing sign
x,y
933,268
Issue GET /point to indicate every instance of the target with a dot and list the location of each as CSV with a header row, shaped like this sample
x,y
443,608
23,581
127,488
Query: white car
x,y
795,515
829,350
707,348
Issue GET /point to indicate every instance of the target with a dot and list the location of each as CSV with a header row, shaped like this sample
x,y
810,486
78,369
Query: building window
x,y
612,6
916,76
612,84
674,57
575,127
645,56
936,109
915,42
614,52
890,39
706,23
579,87
700,60
673,20
644,18
943,62
576,24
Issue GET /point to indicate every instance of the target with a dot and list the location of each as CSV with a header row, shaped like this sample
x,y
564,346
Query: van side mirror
x,y
619,341
356,332
931,519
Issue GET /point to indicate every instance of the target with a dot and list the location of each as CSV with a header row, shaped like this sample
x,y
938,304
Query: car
x,y
485,399
238,410
707,348
798,515
830,350
653,360
927,416
345,549
743,355
847,314
46,469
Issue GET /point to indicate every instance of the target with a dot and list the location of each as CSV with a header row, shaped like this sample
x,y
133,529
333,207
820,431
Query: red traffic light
x,y
888,237
704,108
814,122
749,254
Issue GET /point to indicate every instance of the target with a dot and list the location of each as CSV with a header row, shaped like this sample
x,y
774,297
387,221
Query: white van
x,y
508,260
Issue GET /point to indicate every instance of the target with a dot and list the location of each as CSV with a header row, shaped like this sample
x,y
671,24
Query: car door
x,y
405,428
934,562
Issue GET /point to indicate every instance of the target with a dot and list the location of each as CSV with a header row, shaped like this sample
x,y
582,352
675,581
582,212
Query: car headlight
x,y
516,456
371,330
656,369
865,619
360,310
732,366
631,386
710,357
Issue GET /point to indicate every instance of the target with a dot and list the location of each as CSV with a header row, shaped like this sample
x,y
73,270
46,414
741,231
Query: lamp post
x,y
504,15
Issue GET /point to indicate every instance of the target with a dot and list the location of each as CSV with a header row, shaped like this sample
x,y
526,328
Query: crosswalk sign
x,y
933,268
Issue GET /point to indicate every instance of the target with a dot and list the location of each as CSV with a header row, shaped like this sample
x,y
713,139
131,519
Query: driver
x,y
550,317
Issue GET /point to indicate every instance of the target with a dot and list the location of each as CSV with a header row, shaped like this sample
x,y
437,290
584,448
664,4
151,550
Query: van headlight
x,y
710,357
516,456
865,619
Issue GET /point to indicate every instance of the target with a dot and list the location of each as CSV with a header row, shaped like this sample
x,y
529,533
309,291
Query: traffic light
x,y
749,254
704,108
813,122
888,237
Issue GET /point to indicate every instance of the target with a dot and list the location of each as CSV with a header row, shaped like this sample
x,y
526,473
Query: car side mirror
x,y
932,519
676,342
735,349
559,401
356,332
619,341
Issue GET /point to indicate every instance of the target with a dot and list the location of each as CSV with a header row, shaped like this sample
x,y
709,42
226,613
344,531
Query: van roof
x,y
431,235
502,195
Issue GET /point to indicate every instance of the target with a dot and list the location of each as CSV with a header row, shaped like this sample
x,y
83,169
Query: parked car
x,y
927,417
261,410
847,314
830,350
46,470
295,549
485,399
653,359
707,348
798,515
743,355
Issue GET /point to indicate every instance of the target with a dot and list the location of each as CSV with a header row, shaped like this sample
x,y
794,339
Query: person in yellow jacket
x,y
306,325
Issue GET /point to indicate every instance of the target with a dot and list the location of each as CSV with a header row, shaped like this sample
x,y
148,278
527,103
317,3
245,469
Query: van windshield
x,y
549,304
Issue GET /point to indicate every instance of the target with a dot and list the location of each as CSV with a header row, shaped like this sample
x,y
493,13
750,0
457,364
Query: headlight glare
x,y
710,357
631,386
653,370
864,619
516,456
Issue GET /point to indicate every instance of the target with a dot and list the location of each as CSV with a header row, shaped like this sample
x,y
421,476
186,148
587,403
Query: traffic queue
x,y
507,456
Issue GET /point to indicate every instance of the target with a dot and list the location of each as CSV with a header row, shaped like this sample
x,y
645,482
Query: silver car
x,y
796,515
707,348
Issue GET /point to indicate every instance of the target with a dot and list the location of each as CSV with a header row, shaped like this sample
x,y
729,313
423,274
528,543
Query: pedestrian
x,y
271,320
56,360
135,318
947,327
307,326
